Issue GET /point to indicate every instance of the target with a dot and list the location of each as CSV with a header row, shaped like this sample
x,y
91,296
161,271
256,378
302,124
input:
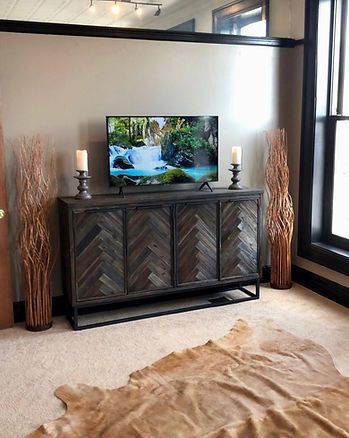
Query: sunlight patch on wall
x,y
255,94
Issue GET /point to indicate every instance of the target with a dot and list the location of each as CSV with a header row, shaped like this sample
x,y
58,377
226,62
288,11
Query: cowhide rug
x,y
257,381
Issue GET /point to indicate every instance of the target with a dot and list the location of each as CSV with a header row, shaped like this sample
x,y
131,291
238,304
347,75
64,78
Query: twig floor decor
x,y
280,214
256,381
36,190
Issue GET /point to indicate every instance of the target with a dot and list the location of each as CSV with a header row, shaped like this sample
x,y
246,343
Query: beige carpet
x,y
34,365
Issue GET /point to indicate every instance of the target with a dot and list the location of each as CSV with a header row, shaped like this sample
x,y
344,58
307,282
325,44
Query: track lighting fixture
x,y
158,12
138,6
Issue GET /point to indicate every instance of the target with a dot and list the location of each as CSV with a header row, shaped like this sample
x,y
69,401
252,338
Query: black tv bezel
x,y
160,184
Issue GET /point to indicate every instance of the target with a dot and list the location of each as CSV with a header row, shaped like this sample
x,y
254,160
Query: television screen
x,y
162,150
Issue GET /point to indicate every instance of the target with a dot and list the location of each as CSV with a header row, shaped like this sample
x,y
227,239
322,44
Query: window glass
x,y
340,218
346,69
246,18
255,29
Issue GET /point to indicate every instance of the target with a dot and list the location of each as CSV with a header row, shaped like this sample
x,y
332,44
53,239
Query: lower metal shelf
x,y
81,317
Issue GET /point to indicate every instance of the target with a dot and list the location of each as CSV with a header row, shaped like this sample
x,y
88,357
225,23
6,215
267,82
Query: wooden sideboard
x,y
117,249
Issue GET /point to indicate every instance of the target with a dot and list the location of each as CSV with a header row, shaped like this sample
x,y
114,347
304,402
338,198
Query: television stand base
x,y
205,183
80,316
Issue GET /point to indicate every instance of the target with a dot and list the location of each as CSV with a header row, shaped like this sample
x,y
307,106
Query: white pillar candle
x,y
81,160
236,153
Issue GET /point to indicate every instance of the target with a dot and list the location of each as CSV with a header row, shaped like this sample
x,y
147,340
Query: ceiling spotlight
x,y
158,12
115,8
92,7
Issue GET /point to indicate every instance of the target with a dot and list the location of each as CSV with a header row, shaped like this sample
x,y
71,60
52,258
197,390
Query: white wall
x,y
297,13
287,18
63,87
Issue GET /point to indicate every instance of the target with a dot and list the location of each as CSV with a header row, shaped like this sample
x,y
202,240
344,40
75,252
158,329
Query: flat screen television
x,y
162,150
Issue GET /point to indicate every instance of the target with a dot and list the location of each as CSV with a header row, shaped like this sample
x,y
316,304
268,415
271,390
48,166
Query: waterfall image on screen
x,y
162,150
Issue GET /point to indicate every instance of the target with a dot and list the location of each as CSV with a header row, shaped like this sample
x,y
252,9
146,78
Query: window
x,y
336,219
324,169
242,17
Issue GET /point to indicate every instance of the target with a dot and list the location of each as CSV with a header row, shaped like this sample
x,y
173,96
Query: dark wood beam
x,y
139,34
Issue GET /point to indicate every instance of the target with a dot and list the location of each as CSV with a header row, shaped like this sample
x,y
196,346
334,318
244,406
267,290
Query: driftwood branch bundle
x,y
280,214
36,191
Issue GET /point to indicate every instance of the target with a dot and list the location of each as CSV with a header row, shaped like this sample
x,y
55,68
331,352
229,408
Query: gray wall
x,y
63,87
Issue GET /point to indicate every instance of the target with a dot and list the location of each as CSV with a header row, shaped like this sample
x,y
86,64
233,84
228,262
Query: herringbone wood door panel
x,y
239,238
149,252
197,245
99,254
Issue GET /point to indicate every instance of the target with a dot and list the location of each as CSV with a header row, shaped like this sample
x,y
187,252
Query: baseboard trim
x,y
322,286
58,308
266,274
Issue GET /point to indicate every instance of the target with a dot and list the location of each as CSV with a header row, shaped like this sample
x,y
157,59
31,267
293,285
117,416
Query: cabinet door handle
x,y
2,213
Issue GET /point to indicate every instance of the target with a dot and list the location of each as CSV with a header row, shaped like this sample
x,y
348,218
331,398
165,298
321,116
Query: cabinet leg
x,y
72,314
258,289
76,319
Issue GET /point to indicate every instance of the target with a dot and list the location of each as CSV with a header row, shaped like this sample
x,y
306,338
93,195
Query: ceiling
x,y
78,12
